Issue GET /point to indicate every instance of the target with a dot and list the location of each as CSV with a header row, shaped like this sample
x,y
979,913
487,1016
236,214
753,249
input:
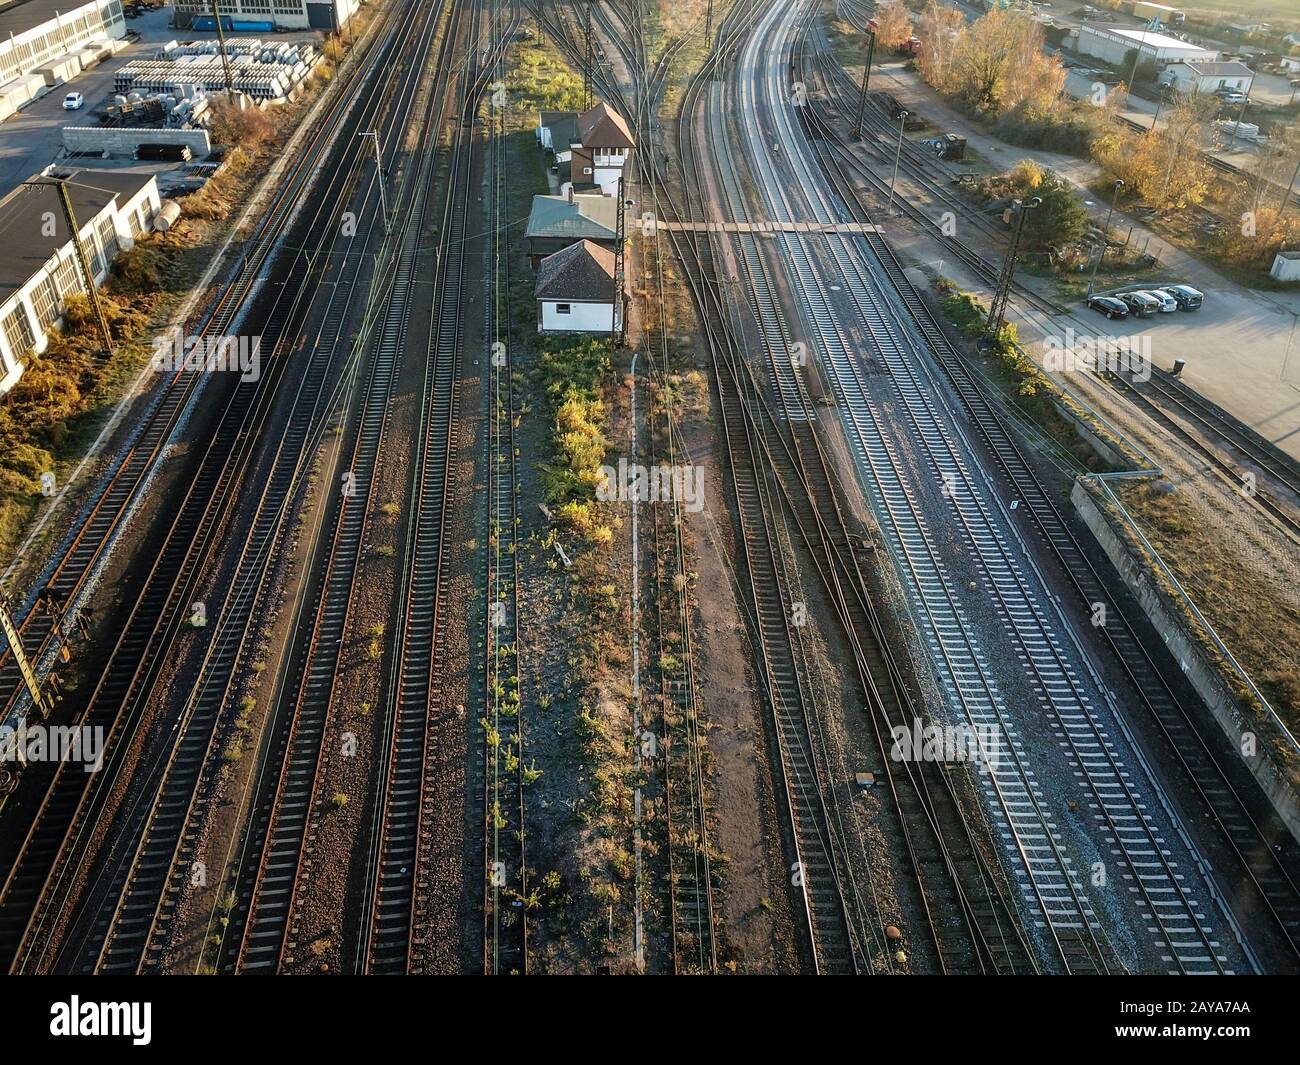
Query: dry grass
x,y
1258,624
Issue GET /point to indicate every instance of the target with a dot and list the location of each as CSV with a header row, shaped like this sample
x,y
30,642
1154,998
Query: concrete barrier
x,y
124,141
1236,720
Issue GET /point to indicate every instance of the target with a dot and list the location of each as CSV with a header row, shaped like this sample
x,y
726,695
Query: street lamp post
x,y
898,152
1105,233
1164,99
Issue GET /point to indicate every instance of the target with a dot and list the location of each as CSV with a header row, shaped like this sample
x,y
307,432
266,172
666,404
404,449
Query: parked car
x,y
1233,99
73,101
1168,305
1187,298
1140,304
1109,306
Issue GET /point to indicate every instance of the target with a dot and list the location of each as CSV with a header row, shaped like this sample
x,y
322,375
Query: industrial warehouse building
x,y
38,265
260,16
44,43
1111,45
1211,77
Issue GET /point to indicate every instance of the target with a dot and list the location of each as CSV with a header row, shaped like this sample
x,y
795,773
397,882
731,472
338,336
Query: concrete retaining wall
x,y
125,141
1197,665
1088,435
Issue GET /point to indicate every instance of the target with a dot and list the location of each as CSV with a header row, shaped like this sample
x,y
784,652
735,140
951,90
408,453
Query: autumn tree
x,y
998,63
940,28
893,26
1161,167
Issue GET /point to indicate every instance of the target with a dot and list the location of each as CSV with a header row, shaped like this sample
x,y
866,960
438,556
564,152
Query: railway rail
x,y
1210,771
52,857
277,847
84,550
1178,927
505,856
1002,950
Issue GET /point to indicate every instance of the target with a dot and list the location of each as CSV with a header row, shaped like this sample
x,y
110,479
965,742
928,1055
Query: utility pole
x,y
1137,58
225,59
1236,126
1105,233
616,330
1286,198
708,30
40,700
866,78
898,152
83,260
998,308
379,174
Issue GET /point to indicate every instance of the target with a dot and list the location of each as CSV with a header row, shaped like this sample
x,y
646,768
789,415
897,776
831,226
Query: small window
x,y
18,331
586,170
45,302
561,308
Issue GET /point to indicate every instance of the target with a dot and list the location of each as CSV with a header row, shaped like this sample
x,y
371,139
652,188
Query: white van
x,y
1168,305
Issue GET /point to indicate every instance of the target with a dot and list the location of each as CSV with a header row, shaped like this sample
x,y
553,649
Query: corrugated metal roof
x,y
590,217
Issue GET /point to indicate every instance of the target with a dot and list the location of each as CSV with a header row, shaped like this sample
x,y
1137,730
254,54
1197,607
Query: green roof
x,y
586,218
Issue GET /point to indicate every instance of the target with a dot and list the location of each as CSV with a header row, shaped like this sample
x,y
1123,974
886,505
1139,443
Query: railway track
x,y
1171,403
399,865
275,858
996,943
164,857
83,552
1210,771
505,857
945,850
52,859
1120,815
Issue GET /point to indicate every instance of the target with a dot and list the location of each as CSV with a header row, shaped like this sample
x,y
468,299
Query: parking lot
x,y
1241,349
33,138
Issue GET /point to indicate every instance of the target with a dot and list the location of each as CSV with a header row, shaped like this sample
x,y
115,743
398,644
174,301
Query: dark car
x,y
1140,305
1187,298
1109,306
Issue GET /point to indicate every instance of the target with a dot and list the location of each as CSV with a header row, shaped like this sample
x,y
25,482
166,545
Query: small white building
x,y
596,144
1112,44
1197,77
38,264
1286,266
575,291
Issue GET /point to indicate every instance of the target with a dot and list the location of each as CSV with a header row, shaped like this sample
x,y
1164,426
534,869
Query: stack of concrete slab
x,y
262,71
65,68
